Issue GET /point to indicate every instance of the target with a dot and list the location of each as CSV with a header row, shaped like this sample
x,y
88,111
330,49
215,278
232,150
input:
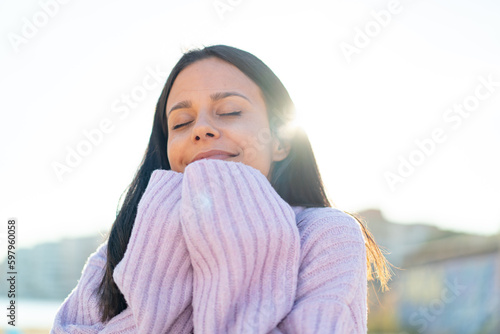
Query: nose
x,y
204,129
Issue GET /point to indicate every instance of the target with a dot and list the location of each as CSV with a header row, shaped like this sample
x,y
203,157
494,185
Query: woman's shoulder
x,y
99,256
305,215
329,233
318,221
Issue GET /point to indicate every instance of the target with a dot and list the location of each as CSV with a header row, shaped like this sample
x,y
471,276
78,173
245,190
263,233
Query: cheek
x,y
173,154
258,139
257,148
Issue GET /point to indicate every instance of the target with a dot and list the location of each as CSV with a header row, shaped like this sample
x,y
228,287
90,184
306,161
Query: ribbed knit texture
x,y
217,250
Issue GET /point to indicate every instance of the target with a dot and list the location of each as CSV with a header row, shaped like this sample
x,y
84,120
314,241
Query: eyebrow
x,y
214,97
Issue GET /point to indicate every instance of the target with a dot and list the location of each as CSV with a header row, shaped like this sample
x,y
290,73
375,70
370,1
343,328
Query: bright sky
x,y
364,108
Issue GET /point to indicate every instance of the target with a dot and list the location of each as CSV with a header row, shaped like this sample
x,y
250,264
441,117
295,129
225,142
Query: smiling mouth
x,y
217,156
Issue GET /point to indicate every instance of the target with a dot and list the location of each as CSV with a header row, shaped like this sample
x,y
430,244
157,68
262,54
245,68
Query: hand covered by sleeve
x,y
155,274
244,246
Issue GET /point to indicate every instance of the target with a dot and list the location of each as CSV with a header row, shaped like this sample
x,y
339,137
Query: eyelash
x,y
234,113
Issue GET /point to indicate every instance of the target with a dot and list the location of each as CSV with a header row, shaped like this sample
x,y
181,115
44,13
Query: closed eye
x,y
179,125
234,113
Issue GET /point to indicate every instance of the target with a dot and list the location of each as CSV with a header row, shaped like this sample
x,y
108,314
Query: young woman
x,y
226,227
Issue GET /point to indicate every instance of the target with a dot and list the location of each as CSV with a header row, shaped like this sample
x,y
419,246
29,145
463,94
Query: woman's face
x,y
213,106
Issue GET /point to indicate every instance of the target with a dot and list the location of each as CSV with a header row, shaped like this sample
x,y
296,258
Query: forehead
x,y
208,76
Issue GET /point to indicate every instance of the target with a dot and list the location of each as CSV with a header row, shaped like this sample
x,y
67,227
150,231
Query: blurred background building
x,y
49,271
448,282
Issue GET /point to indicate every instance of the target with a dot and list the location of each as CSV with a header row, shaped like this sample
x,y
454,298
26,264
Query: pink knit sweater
x,y
217,250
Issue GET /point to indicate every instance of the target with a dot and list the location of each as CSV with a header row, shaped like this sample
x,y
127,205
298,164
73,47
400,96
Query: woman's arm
x,y
79,311
244,247
155,274
332,286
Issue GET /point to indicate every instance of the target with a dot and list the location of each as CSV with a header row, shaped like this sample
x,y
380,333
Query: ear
x,y
281,148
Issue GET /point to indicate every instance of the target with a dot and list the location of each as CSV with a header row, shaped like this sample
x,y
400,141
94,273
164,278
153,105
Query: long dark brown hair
x,y
296,178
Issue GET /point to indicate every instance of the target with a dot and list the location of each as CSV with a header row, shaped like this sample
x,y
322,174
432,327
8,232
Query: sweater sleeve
x,y
155,274
244,247
79,311
332,285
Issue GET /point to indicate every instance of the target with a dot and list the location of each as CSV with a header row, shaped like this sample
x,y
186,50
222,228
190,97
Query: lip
x,y
213,154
